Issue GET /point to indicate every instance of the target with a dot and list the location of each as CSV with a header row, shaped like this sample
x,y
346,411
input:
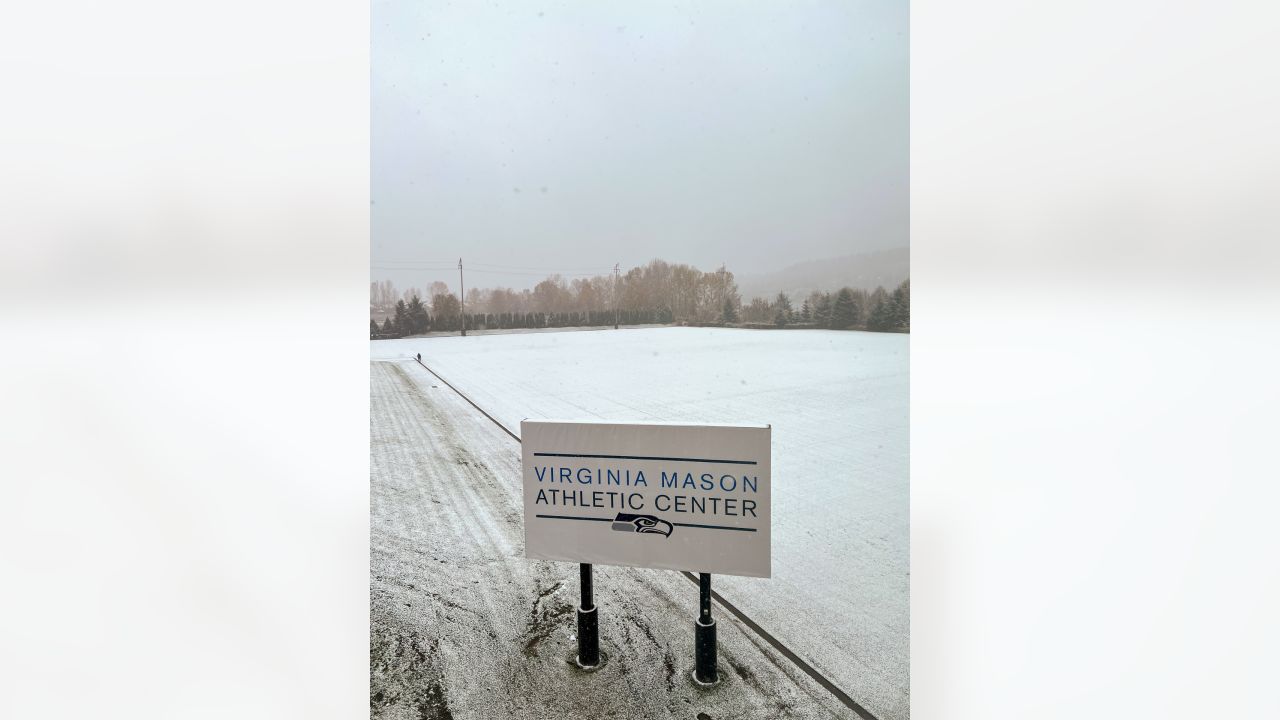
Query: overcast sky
x,y
570,136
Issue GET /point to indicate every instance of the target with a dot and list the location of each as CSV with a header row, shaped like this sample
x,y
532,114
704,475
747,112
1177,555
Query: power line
x,y
412,265
452,264
543,273
504,266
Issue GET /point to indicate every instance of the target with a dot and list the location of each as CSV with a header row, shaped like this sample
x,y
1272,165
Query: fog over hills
x,y
862,270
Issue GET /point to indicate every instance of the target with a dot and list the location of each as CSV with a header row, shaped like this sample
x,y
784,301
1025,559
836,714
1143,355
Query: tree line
x,y
656,293
412,318
845,309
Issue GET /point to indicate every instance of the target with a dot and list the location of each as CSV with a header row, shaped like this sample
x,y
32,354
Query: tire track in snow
x,y
431,522
466,521
791,655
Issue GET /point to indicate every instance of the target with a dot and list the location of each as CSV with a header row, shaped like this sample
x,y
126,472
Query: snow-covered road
x,y
838,403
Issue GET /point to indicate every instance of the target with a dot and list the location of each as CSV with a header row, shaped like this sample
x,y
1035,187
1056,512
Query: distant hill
x,y
863,270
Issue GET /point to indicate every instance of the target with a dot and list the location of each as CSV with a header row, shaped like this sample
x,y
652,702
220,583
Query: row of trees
x,y
411,318
878,310
659,292
683,292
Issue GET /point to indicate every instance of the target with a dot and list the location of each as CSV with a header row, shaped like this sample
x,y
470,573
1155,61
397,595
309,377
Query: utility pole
x,y
615,296
463,298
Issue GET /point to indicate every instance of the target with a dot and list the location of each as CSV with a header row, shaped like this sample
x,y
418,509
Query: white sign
x,y
679,497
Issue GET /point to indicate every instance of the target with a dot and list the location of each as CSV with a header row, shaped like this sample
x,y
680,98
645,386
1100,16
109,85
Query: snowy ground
x,y
463,626
838,405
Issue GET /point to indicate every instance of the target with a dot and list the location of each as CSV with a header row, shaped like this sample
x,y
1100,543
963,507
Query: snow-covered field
x,y
462,626
838,403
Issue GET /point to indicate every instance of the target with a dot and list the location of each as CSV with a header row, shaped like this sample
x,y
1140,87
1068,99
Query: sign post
x,y
704,635
588,623
650,495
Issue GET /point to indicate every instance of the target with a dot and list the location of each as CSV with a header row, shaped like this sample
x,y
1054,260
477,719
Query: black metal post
x,y
704,636
588,622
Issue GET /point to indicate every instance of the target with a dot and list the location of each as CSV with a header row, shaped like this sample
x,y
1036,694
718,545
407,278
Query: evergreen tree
x,y
730,313
416,314
881,317
845,311
373,328
782,310
387,328
901,306
806,313
878,296
822,307
402,318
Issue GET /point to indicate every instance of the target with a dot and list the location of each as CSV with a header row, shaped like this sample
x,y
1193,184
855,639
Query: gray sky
x,y
573,135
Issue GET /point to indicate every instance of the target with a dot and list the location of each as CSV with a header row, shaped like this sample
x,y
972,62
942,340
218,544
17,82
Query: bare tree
x,y
552,295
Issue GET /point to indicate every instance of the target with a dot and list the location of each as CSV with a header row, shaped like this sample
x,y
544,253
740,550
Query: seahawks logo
x,y
627,522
